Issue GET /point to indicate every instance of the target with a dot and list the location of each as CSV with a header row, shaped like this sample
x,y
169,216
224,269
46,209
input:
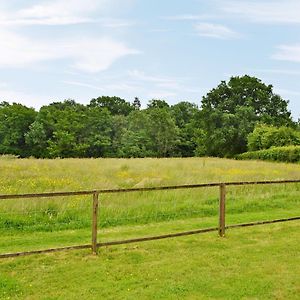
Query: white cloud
x,y
116,23
274,11
48,9
161,94
3,85
59,12
89,54
286,92
105,88
54,21
139,75
16,50
288,53
169,85
188,17
163,86
94,55
122,86
83,84
279,71
63,12
9,95
215,31
45,21
159,30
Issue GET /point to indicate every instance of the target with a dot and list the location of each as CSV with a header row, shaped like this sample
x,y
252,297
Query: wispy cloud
x,y
97,54
161,94
115,23
271,11
288,53
18,51
83,84
162,85
158,30
286,93
63,12
215,31
189,17
88,54
139,75
279,71
104,87
3,85
123,86
57,12
7,93
169,85
105,22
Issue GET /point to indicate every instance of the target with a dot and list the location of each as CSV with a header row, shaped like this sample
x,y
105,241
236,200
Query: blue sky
x,y
169,49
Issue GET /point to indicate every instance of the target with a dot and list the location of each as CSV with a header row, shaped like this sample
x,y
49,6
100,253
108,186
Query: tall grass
x,y
33,176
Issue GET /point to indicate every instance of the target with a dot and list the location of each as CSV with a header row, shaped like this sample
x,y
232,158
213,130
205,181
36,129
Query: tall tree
x,y
136,103
60,128
115,105
37,140
185,114
157,103
135,141
162,131
119,125
15,120
231,110
98,132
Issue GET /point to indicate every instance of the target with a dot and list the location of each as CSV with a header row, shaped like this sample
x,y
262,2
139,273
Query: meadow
x,y
190,265
34,176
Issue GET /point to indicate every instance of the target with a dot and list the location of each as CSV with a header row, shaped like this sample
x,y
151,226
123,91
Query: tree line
x,y
114,127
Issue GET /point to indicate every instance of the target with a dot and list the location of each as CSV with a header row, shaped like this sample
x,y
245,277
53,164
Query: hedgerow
x,y
282,154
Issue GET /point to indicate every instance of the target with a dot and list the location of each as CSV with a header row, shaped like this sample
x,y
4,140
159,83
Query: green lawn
x,y
250,263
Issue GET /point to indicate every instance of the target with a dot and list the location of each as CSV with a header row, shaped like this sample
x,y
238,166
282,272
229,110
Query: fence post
x,y
94,222
222,210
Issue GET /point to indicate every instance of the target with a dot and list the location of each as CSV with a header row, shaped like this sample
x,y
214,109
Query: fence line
x,y
174,187
95,207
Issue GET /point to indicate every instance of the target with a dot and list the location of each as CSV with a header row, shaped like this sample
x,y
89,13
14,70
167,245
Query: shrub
x,y
265,137
284,154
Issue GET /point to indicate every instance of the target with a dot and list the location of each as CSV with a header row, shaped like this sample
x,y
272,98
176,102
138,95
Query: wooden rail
x,y
95,245
160,188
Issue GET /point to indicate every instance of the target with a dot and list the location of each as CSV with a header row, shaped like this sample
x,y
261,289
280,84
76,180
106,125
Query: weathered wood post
x,y
222,210
94,222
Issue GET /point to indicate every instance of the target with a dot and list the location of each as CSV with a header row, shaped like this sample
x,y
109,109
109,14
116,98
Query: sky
x,y
152,49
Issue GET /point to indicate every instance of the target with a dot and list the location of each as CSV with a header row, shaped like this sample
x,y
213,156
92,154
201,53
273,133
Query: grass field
x,y
33,176
251,263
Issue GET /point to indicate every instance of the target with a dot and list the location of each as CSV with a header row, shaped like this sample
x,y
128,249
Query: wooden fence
x,y
95,207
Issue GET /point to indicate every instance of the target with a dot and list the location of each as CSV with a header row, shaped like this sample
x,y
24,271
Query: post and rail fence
x,y
95,207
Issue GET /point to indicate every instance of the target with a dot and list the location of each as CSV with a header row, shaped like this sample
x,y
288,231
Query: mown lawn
x,y
250,263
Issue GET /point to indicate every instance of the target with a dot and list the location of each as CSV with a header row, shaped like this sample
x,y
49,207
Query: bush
x,y
284,154
265,137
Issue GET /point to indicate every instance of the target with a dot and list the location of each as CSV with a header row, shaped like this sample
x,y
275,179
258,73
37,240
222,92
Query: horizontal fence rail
x,y
95,205
160,188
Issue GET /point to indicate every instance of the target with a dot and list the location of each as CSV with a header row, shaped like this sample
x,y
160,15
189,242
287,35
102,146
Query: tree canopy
x,y
231,110
113,127
15,120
